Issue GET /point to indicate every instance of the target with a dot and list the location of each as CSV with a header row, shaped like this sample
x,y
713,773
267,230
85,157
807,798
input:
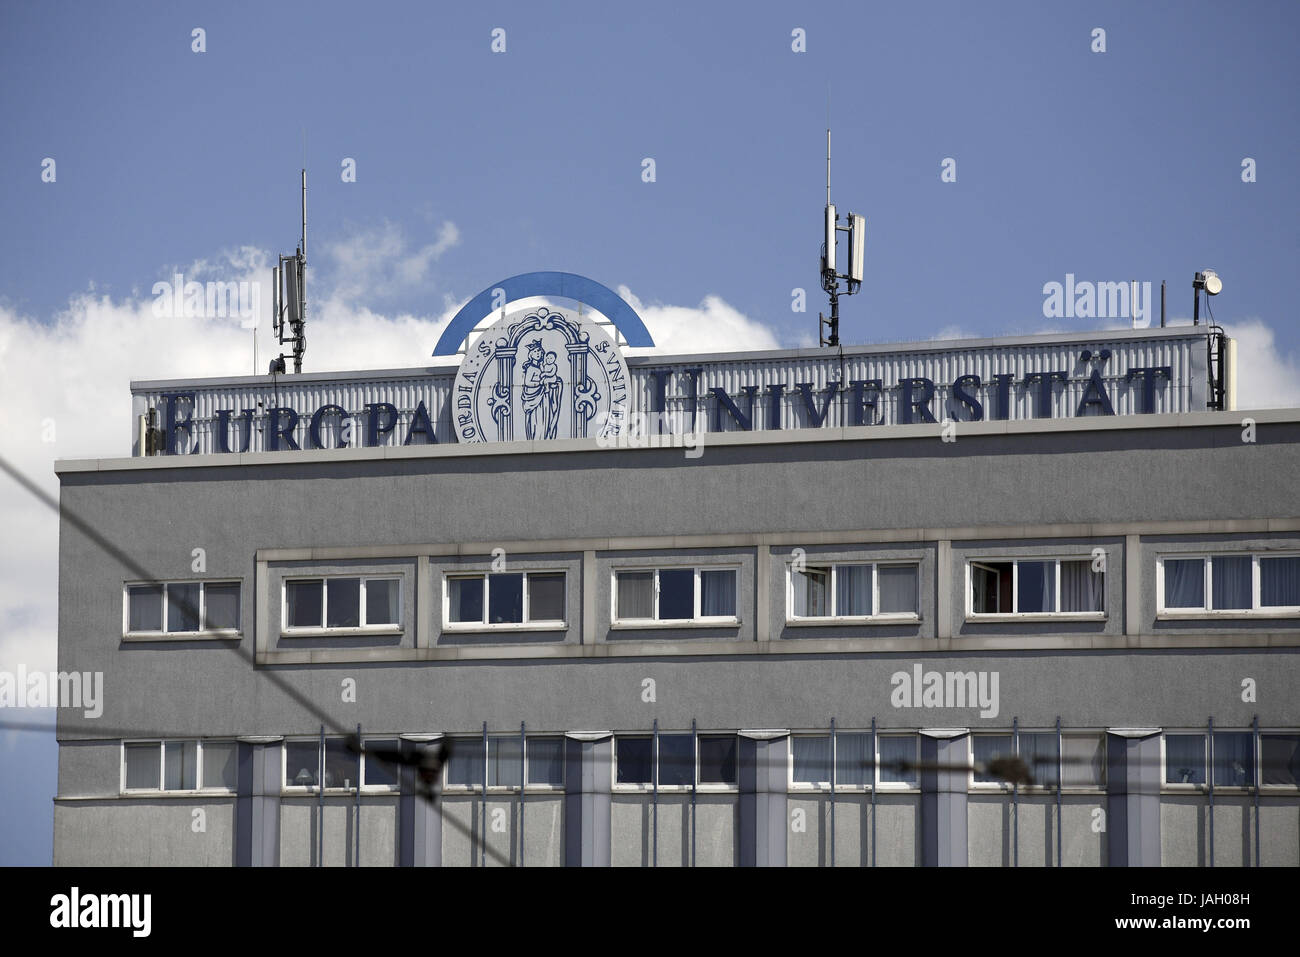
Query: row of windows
x,y
840,591
677,761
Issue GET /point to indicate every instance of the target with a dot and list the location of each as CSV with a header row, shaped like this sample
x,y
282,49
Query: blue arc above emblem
x,y
566,285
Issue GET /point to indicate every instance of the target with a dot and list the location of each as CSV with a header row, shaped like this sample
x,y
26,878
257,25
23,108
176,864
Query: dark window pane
x,y
465,766
676,760
812,592
381,601
718,593
1279,582
145,607
505,760
1039,752
987,750
676,593
812,759
633,760
1184,759
220,764
1036,586
221,606
718,759
991,587
853,760
142,766
546,597
505,598
1184,582
898,760
1281,759
1234,759
898,589
1230,579
183,607
546,761
636,595
465,600
379,769
180,765
343,603
342,764
301,763
853,590
304,601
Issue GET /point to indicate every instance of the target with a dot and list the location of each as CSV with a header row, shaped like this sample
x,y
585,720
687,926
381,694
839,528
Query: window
x,y
1083,761
1229,584
1233,759
378,770
182,608
684,761
504,599
1280,760
811,760
897,760
853,591
539,758
179,765
1054,586
353,603
303,764
675,594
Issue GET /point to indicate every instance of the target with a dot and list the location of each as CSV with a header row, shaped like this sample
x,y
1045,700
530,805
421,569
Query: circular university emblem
x,y
540,374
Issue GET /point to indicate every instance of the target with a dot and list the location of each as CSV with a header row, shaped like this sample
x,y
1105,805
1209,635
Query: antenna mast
x,y
290,308
856,227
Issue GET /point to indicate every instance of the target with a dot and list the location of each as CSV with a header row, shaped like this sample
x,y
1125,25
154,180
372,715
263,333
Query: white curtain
x,y
897,586
718,593
986,748
853,759
1184,582
1081,587
893,750
636,594
505,760
1230,577
1279,582
812,758
546,761
853,590
1038,751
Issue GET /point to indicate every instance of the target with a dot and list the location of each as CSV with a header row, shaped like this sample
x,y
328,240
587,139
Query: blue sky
x,y
473,166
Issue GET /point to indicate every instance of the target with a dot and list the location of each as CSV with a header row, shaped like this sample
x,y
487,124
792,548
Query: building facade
x,y
783,608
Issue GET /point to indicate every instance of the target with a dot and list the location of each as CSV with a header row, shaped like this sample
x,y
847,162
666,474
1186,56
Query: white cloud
x,y
1266,378
65,393
377,263
712,326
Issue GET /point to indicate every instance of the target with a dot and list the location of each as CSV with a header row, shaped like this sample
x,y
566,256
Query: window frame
x,y
163,634
834,619
698,786
1255,611
543,624
200,784
984,561
655,621
1208,767
483,752
299,790
824,787
367,788
394,628
1259,761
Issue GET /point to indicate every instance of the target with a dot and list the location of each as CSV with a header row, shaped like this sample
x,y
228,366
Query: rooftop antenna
x,y
856,227
290,307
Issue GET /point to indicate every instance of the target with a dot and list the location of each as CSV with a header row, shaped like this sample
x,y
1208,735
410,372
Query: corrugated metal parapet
x,y
1011,378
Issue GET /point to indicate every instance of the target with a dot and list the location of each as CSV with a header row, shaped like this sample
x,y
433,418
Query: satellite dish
x,y
1213,284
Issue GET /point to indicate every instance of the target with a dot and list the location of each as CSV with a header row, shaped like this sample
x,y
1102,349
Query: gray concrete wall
x,y
144,833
